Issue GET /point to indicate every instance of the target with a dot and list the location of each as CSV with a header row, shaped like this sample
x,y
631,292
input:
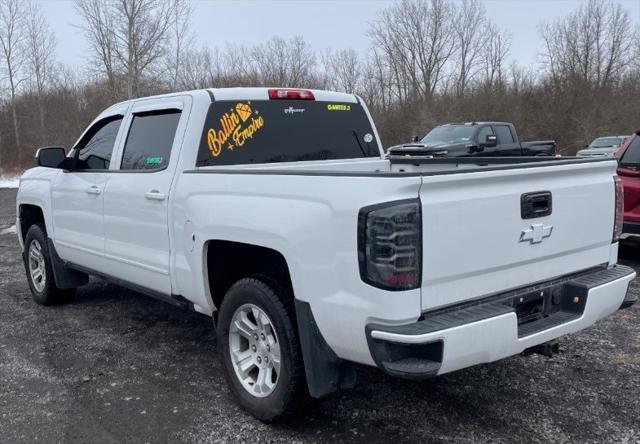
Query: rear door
x,y
136,198
476,241
507,141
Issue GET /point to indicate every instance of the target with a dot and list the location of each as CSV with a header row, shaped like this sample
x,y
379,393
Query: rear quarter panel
x,y
312,222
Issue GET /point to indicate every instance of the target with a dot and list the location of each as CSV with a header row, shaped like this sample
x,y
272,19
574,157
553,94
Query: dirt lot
x,y
115,366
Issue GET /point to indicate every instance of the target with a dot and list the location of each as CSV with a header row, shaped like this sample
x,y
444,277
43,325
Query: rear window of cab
x,y
270,131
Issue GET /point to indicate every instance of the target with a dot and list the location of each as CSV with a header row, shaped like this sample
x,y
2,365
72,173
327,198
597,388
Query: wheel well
x,y
228,262
29,215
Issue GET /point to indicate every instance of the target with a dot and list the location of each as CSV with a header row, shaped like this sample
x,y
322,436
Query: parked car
x,y
480,139
629,173
602,146
275,212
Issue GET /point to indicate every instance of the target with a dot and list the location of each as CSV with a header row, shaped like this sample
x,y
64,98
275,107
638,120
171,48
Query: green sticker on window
x,y
155,160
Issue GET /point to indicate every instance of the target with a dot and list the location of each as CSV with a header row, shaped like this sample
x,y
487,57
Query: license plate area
x,y
546,307
538,304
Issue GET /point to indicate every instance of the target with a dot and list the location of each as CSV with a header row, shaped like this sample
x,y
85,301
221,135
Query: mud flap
x,y
326,372
64,276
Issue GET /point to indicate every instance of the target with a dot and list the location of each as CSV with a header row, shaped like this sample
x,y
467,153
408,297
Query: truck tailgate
x,y
477,243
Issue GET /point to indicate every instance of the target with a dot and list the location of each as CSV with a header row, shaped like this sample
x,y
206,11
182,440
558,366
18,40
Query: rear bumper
x,y
500,326
630,229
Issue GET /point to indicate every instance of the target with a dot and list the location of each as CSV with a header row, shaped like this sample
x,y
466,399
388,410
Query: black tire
x,y
290,388
49,294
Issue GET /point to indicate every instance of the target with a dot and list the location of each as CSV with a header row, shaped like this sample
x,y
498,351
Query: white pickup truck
x,y
276,212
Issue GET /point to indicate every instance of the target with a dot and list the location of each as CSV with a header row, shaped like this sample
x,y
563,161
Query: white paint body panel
x,y
471,227
136,211
78,223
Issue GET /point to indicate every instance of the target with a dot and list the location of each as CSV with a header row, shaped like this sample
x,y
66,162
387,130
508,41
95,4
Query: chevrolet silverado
x,y
276,212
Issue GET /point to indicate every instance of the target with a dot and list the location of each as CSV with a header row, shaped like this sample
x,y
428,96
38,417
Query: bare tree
x,y
98,27
284,62
496,50
343,70
203,68
40,52
469,28
592,44
128,35
12,16
179,38
239,66
415,40
141,28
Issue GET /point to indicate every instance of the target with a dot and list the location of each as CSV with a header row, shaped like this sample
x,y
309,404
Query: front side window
x,y
631,155
149,142
96,147
504,134
269,131
483,133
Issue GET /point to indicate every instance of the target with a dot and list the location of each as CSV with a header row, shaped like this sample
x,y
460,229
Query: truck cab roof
x,y
245,93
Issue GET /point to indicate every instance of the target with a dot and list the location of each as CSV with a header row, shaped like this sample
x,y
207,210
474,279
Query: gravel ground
x,y
115,366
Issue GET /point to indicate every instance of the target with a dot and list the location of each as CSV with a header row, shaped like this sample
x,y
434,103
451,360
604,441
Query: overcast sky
x,y
335,24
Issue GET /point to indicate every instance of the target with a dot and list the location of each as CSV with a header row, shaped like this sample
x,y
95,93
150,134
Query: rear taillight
x,y
291,94
390,245
619,215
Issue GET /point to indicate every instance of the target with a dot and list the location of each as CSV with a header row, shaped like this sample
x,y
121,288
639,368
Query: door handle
x,y
154,195
94,190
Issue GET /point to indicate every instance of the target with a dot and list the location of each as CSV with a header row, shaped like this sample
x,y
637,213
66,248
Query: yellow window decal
x,y
338,107
236,126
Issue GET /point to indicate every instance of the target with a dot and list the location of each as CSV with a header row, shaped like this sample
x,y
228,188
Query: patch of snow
x,y
8,230
9,182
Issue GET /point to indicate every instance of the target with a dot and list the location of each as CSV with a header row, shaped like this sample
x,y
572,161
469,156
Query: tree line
x,y
429,62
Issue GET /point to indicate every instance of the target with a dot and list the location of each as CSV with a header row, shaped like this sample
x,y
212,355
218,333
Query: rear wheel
x,y
260,349
37,263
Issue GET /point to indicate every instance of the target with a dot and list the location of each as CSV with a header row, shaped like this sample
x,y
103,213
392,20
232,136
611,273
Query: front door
x,y
137,197
78,196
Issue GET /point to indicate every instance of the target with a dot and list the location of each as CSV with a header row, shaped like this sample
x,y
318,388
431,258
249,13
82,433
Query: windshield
x,y
449,134
631,155
606,142
268,131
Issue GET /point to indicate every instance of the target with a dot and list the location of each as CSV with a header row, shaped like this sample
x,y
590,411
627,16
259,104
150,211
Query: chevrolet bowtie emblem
x,y
536,233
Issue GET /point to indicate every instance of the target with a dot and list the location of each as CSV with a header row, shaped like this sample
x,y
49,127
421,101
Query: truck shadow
x,y
517,398
629,252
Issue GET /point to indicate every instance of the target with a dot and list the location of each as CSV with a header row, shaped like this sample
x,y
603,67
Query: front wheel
x,y
37,263
258,340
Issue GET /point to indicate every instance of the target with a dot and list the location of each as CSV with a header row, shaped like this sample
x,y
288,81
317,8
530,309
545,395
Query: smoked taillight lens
x,y
390,245
619,215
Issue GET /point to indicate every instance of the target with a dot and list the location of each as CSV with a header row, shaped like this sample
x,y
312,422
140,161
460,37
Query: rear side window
x,y
96,148
504,134
149,142
245,132
631,155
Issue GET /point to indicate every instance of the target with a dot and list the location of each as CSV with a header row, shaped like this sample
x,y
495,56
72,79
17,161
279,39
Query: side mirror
x,y
415,139
490,141
51,157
